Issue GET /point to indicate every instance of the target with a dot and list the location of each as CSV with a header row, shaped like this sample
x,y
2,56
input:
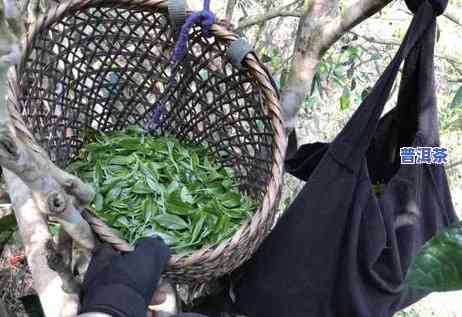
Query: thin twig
x,y
392,42
283,11
230,6
453,18
453,165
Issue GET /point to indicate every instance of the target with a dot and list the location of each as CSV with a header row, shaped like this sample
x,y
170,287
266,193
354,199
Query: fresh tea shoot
x,y
156,185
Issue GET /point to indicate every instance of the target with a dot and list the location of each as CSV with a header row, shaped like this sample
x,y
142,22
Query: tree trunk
x,y
320,26
308,52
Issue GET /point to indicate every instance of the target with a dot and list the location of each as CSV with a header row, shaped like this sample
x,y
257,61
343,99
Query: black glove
x,y
122,285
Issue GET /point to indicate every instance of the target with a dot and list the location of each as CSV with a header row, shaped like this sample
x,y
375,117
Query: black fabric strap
x,y
353,142
438,5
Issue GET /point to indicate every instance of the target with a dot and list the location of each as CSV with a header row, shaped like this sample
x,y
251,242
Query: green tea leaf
x,y
198,226
99,200
114,193
171,222
121,160
345,101
195,160
231,200
149,209
173,186
8,223
186,195
216,188
141,187
177,206
123,221
457,101
154,185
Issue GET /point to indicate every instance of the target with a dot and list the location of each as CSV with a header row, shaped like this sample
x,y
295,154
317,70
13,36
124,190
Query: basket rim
x,y
256,228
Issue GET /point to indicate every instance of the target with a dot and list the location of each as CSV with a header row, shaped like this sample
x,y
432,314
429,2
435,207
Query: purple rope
x,y
205,19
155,118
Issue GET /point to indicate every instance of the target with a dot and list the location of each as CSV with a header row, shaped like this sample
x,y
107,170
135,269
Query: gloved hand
x,y
122,285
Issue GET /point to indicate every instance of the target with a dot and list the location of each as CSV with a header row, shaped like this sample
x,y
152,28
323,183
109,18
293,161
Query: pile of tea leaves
x,y
158,186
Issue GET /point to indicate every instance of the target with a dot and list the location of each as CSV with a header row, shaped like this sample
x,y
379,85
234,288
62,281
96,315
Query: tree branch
x,y
55,192
377,40
453,165
321,25
36,186
275,13
453,18
229,11
51,190
261,27
33,11
34,233
381,41
350,17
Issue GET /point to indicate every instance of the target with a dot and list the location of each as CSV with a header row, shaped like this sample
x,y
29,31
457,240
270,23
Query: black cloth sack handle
x,y
418,47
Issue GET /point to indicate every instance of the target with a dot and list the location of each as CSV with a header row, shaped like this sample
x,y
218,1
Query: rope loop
x,y
204,18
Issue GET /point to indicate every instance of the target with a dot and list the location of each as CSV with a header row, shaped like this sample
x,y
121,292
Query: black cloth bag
x,y
339,249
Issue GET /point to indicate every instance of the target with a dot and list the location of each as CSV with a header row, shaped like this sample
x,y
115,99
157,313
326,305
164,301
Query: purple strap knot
x,y
204,18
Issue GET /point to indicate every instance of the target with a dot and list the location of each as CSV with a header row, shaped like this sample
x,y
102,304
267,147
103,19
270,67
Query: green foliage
x,y
54,229
310,102
148,185
378,189
438,266
451,118
366,92
342,70
457,101
345,102
8,225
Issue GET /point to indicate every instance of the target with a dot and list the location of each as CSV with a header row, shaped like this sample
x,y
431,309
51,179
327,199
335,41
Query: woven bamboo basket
x,y
102,64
